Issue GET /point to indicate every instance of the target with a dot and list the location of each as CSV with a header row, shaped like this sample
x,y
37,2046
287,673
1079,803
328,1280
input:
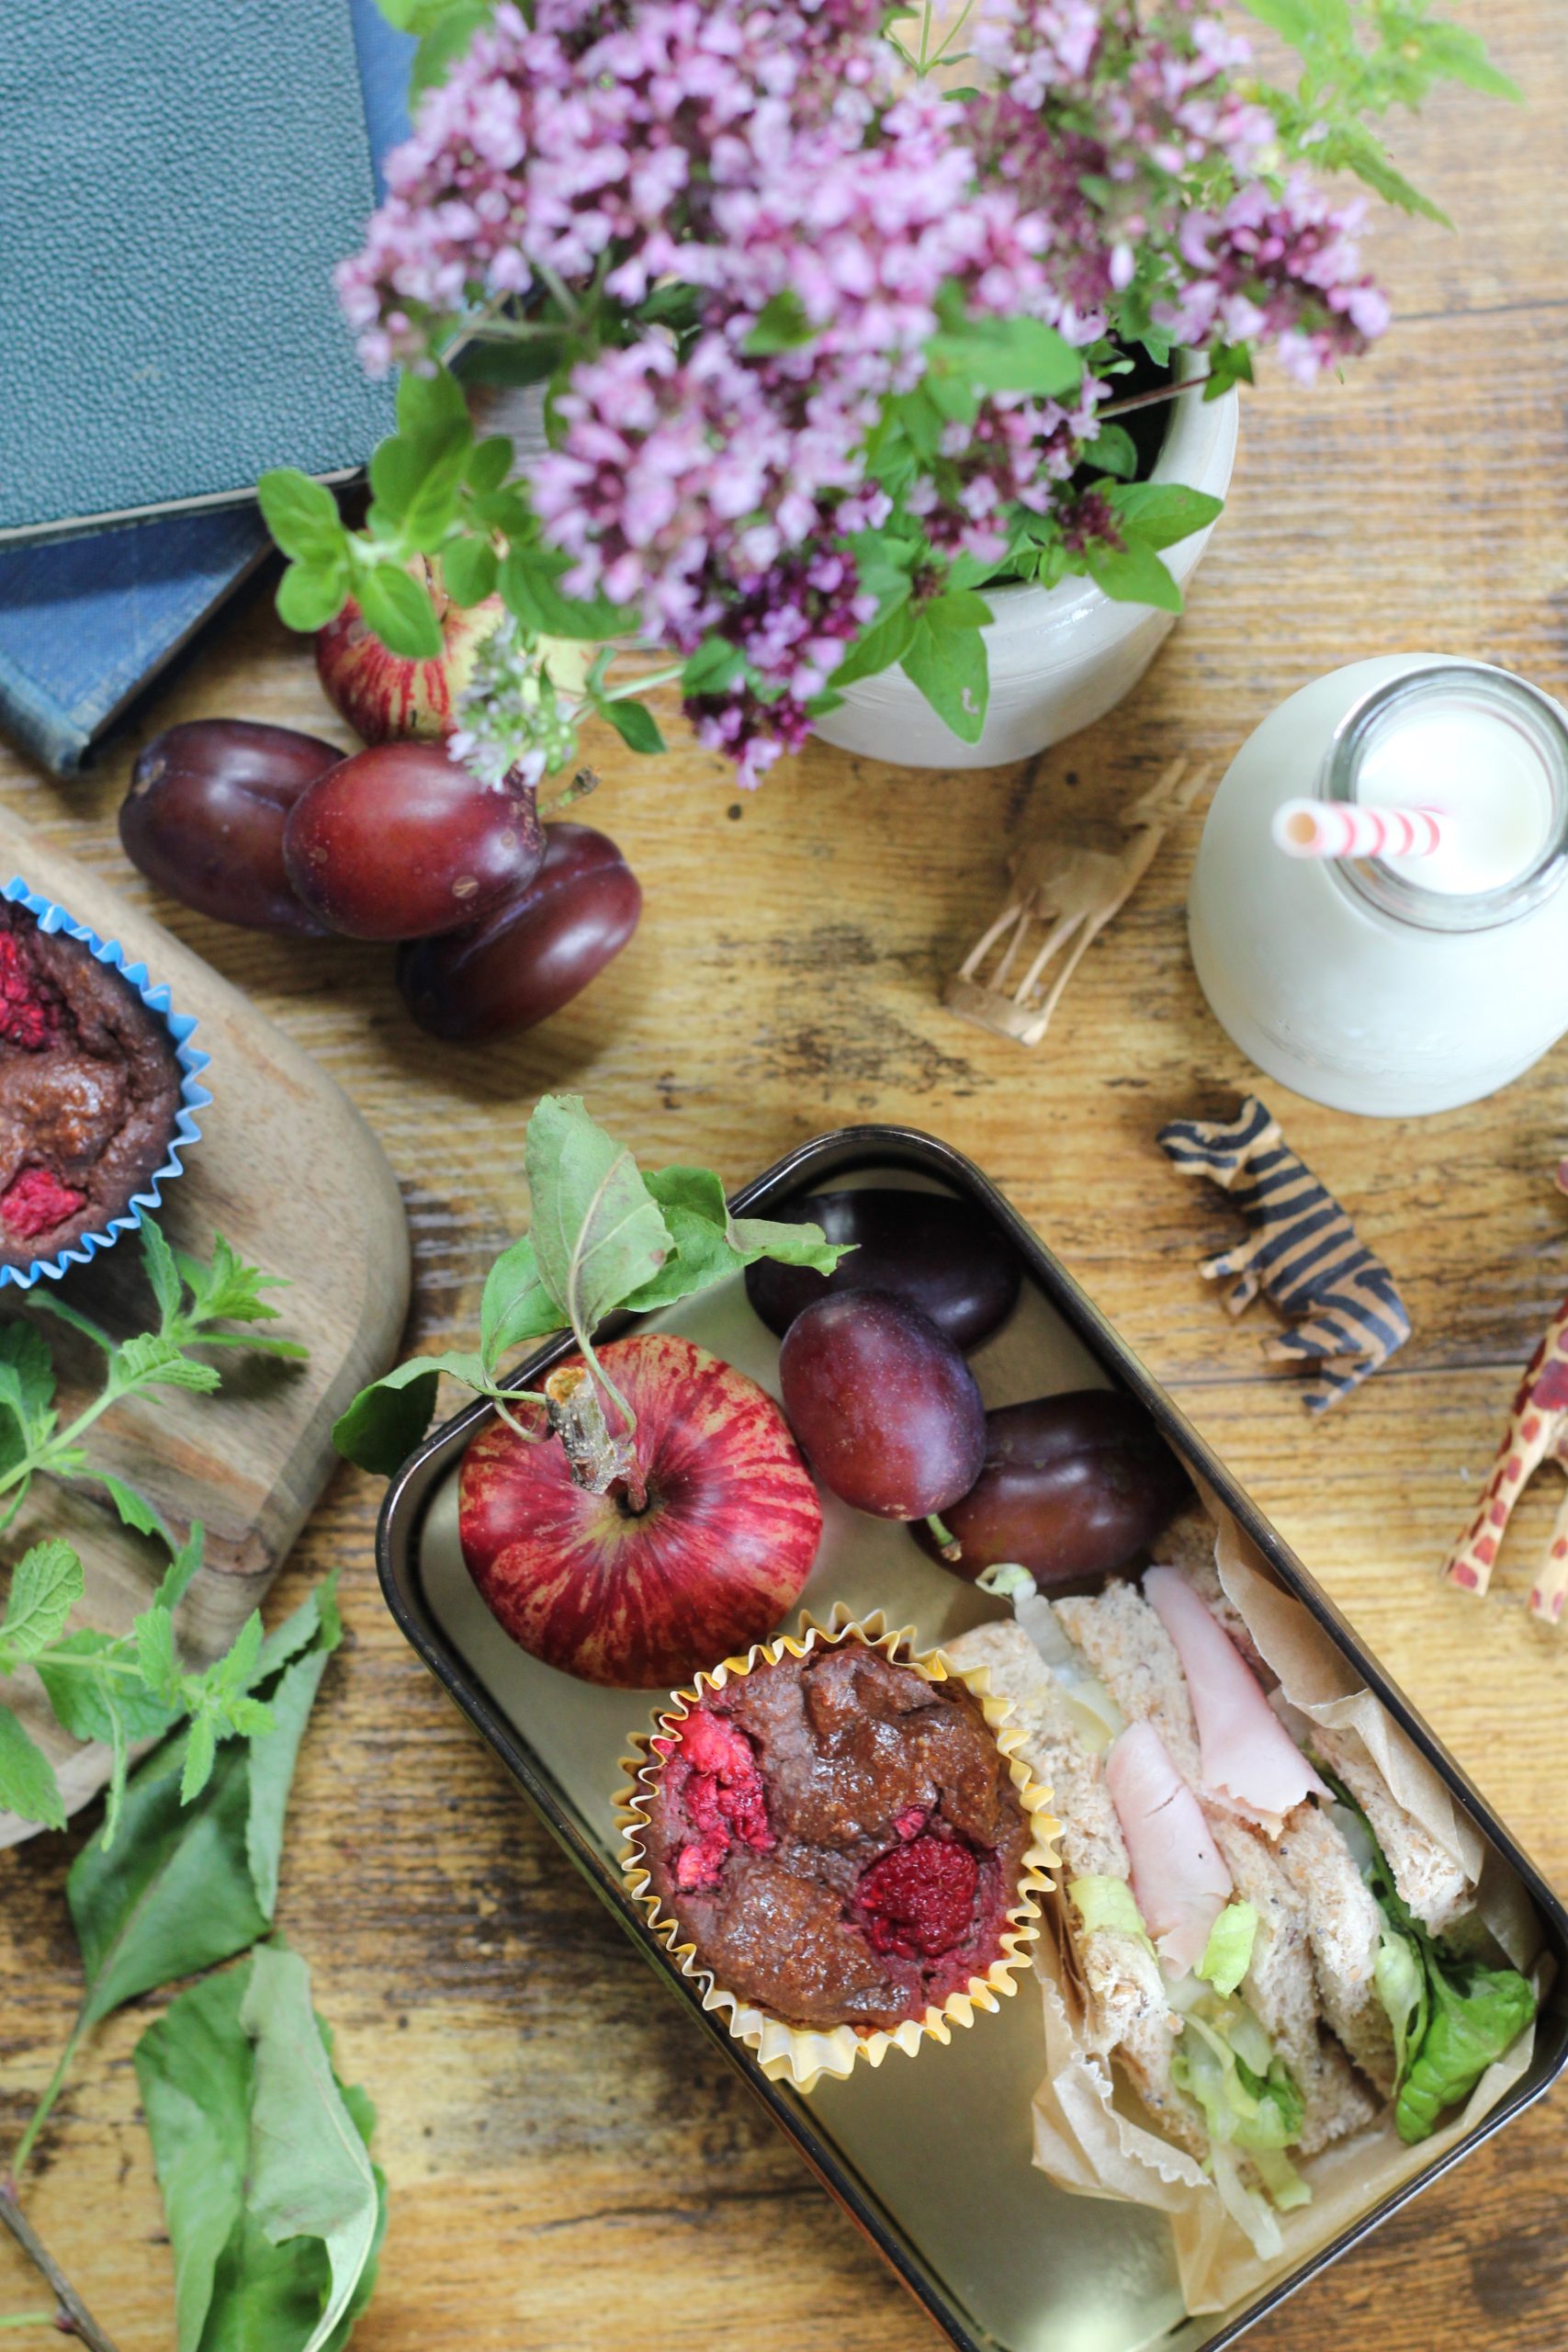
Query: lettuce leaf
x,y
1242,2108
1227,1955
1107,1903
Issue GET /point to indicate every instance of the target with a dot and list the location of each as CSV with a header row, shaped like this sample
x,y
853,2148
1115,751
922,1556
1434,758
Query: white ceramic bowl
x,y
1059,657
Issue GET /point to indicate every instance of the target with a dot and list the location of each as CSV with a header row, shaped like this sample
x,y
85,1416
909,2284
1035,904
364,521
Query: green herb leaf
x,y
1162,512
1132,575
234,2291
430,403
27,1391
596,1227
950,668
387,1420
878,648
311,594
470,569
46,1585
516,1305
272,1758
154,1633
634,723
1016,355
1112,451
181,1569
100,1704
441,47
400,611
715,665
27,1785
781,326
301,514
134,1510
529,578
310,2173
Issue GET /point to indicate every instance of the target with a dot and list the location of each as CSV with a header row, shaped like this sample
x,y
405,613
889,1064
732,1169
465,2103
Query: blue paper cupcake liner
x,y
194,1096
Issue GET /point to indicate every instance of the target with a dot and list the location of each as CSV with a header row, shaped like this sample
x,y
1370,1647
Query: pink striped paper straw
x,y
1346,829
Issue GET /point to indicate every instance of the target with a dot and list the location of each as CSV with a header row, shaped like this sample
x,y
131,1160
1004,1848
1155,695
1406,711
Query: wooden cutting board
x,y
290,1173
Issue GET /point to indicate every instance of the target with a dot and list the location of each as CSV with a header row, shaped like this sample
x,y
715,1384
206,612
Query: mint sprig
x,y
604,1234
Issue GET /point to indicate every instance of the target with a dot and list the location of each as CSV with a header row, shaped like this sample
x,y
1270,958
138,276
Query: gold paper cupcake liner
x,y
800,2053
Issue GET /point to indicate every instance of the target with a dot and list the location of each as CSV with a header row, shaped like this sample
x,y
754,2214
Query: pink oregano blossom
x,y
717,459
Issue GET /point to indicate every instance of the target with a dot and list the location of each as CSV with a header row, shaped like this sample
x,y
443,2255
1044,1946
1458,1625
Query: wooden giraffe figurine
x,y
1300,1251
1071,890
1537,1433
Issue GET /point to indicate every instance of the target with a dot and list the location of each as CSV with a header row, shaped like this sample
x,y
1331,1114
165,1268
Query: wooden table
x,y
570,2171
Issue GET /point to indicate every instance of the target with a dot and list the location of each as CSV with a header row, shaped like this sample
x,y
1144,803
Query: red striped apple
x,y
385,697
641,1599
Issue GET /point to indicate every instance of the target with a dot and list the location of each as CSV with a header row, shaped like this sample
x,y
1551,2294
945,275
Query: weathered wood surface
x,y
290,1173
572,2172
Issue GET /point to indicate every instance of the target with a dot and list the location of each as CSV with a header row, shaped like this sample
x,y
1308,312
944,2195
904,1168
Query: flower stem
x,y
73,2318
40,2115
28,2318
644,684
63,1439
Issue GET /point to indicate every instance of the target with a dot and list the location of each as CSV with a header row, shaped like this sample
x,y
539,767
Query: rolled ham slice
x,y
1246,1751
1180,1884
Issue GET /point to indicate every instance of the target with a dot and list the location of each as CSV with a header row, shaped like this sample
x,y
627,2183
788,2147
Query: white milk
x,y
1394,986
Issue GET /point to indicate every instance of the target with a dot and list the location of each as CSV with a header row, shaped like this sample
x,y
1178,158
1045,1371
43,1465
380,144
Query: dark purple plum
x,y
400,840
534,952
884,1405
938,1253
1072,1487
204,817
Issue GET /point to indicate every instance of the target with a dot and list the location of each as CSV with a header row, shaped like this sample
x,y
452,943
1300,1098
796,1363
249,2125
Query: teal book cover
x,y
86,621
190,175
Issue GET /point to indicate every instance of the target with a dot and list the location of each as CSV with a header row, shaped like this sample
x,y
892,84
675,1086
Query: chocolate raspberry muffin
x,y
839,1838
89,1090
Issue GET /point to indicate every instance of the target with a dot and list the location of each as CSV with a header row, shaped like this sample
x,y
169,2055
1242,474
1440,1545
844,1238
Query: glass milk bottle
x,y
1394,985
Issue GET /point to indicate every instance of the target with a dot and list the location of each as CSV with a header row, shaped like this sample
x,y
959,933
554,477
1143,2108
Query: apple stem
x,y
947,1542
596,1459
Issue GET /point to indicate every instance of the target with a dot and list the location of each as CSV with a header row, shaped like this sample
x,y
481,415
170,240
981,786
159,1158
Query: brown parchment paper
x,y
1087,2136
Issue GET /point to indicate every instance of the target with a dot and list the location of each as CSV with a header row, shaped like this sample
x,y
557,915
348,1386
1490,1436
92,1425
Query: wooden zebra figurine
x,y
1302,1252
1537,1433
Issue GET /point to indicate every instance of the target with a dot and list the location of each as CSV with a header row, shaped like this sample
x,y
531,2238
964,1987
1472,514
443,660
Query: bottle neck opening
x,y
1489,753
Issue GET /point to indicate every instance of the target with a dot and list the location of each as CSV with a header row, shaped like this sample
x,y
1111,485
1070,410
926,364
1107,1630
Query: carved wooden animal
x,y
1537,1433
1300,1251
1072,890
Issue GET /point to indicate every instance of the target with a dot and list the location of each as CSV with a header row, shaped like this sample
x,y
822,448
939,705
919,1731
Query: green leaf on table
x,y
1162,514
133,1510
89,1705
634,723
46,1584
595,1226
470,568
399,612
27,1391
950,668
301,514
234,2289
181,1569
1132,575
387,1420
226,1290
27,1785
516,1303
186,1885
315,1623
150,1360
310,2171
156,1655
272,1758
